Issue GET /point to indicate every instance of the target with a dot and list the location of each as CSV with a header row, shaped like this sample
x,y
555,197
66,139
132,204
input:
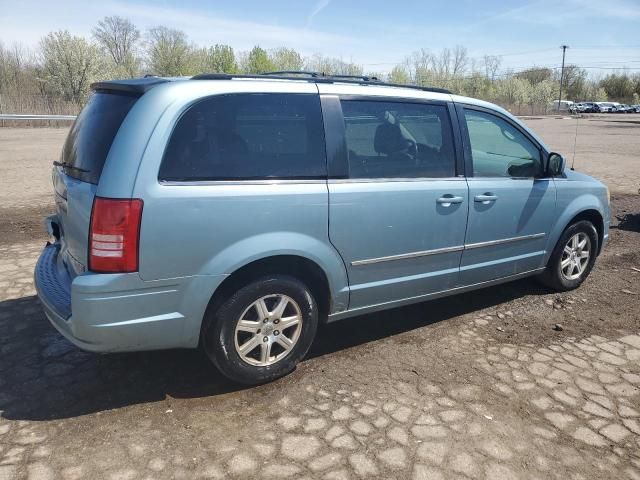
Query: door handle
x,y
447,200
485,198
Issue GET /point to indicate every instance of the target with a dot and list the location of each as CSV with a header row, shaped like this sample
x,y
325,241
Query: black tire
x,y
553,276
220,329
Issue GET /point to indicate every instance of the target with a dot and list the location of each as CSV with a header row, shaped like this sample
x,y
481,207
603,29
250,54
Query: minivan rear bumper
x,y
121,312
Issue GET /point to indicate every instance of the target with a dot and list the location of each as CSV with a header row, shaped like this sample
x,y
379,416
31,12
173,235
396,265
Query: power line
x,y
602,47
524,69
509,54
521,53
533,67
610,68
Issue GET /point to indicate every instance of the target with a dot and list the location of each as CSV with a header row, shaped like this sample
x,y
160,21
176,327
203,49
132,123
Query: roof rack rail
x,y
365,78
294,72
354,80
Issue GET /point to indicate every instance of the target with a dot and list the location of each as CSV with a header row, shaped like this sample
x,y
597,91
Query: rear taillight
x,y
114,234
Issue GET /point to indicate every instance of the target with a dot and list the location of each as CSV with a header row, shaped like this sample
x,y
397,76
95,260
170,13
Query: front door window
x,y
499,149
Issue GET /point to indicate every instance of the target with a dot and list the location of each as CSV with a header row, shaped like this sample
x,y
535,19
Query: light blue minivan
x,y
236,213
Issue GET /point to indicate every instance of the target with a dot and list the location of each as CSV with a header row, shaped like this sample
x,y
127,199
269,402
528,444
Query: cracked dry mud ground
x,y
474,386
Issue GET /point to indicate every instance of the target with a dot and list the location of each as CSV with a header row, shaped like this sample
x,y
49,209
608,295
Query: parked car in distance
x,y
237,213
604,107
589,107
561,106
577,108
614,107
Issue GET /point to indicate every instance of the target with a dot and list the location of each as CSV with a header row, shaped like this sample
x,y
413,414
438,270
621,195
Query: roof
x,y
141,85
315,77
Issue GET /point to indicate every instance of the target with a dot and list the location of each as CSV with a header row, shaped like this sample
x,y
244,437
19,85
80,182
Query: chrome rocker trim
x,y
437,251
404,256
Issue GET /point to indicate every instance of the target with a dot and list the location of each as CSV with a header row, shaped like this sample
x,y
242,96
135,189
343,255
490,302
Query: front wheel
x,y
263,330
572,258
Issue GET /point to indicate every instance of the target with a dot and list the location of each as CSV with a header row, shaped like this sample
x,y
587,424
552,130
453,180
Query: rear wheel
x,y
263,330
572,258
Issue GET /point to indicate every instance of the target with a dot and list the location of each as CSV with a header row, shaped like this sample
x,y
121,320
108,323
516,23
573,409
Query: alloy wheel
x,y
575,256
268,330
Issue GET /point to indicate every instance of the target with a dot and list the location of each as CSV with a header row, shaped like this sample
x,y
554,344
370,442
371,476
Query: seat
x,y
388,139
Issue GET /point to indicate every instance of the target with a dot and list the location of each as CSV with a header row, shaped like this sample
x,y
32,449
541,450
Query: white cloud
x,y
553,13
209,28
203,27
317,8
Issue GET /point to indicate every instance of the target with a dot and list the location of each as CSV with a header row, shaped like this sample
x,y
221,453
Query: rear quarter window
x,y
92,134
247,136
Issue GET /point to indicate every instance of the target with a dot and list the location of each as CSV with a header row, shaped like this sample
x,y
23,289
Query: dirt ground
x,y
474,386
606,146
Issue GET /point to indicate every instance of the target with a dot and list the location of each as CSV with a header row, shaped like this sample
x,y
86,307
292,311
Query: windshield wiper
x,y
70,167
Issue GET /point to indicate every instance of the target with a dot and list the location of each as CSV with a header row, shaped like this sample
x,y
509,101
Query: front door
x,y
398,215
511,204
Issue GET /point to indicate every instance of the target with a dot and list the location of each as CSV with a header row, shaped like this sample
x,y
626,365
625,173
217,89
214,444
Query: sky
x,y
602,34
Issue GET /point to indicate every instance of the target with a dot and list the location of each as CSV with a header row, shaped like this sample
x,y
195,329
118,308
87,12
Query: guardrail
x,y
15,116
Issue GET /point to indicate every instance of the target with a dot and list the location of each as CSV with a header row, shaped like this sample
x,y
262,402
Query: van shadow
x,y
44,377
628,221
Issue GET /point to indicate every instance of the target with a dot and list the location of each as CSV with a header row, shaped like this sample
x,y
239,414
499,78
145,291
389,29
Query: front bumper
x,y
121,312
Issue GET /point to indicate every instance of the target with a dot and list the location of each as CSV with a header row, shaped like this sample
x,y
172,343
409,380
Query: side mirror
x,y
556,164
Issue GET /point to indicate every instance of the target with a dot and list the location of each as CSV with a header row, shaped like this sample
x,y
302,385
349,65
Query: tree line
x,y
55,78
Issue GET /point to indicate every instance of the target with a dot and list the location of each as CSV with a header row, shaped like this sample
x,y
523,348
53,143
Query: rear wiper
x,y
70,167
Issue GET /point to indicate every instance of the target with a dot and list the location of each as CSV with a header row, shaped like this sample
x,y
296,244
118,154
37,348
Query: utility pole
x,y
564,49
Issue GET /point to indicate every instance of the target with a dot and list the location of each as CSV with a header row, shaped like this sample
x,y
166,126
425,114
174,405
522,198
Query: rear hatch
x,y
76,176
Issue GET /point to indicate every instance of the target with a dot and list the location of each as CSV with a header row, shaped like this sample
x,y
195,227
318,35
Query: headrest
x,y
389,139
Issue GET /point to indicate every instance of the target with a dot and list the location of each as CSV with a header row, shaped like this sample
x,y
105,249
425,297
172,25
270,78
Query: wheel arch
x,y
302,268
570,216
593,216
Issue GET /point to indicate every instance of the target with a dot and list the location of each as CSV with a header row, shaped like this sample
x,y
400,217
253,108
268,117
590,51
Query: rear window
x,y
92,134
247,136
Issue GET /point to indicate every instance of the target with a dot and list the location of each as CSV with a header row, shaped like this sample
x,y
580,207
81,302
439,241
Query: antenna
x,y
575,142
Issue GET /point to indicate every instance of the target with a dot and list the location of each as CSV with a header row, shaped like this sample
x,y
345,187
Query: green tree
x,y
168,52
619,87
513,91
349,68
332,66
258,61
476,85
574,83
286,59
70,64
425,77
118,37
217,59
600,95
399,75
542,94
536,75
